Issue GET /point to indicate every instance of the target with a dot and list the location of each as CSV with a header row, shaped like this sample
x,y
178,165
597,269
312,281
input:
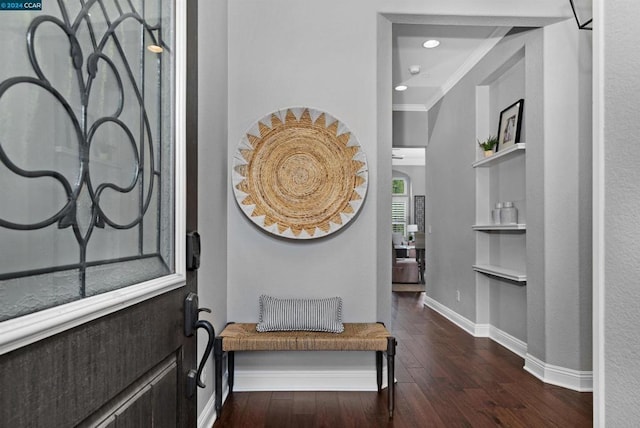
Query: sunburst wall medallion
x,y
299,173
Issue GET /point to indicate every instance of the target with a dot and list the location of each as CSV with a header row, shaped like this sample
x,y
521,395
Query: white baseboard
x,y
307,380
510,342
482,330
462,322
208,416
581,381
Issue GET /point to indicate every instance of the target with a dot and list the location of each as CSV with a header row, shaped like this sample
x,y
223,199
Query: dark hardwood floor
x,y
446,378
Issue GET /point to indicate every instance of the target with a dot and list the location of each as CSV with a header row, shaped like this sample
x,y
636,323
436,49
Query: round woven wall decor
x,y
299,173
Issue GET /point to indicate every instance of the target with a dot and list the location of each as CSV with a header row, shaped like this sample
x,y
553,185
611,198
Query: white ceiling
x,y
461,47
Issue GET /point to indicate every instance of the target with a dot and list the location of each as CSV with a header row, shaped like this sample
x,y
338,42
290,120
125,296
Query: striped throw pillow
x,y
300,314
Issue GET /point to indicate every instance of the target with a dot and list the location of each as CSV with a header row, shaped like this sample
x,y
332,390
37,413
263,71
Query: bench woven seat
x,y
355,337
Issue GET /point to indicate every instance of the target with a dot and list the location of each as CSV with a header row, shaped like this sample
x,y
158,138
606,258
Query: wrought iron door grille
x,y
122,157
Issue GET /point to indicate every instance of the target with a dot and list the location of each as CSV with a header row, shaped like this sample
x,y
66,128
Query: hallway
x,y
446,378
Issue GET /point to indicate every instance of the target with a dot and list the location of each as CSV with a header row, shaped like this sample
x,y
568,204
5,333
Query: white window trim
x,y
25,330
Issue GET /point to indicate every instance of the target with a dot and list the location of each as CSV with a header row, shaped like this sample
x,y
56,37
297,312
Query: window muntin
x,y
399,207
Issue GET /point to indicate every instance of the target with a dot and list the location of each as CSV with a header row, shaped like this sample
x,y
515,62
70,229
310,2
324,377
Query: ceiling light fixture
x,y
430,44
155,48
401,88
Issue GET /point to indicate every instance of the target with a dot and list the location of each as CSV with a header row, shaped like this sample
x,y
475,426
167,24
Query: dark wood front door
x,y
122,370
117,236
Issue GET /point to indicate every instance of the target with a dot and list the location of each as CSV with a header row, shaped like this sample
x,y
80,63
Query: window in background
x,y
399,205
399,186
399,215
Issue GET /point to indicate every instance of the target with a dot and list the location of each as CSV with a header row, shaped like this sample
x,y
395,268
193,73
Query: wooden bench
x,y
356,337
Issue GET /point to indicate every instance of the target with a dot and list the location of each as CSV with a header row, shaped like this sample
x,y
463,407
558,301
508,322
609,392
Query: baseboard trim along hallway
x,y
581,381
307,380
208,416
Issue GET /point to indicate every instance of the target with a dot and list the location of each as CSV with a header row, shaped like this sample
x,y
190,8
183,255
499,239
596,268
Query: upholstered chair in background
x,y
404,270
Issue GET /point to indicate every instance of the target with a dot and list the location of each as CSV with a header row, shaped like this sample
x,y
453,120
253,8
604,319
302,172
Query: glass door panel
x,y
86,150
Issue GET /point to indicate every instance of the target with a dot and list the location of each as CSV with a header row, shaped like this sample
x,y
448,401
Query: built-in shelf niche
x,y
501,260
500,272
500,156
499,227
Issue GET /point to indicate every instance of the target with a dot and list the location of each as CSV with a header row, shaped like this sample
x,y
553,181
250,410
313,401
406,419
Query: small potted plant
x,y
488,145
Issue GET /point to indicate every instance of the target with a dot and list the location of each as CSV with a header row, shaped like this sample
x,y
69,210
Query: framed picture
x,y
509,125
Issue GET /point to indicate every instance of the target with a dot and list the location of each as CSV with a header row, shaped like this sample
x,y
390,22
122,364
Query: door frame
x,y
27,329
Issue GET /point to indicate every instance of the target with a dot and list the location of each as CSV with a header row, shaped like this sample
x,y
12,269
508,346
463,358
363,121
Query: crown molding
x,y
470,62
410,107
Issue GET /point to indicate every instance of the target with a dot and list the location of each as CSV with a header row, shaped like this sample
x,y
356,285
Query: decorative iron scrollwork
x,y
86,66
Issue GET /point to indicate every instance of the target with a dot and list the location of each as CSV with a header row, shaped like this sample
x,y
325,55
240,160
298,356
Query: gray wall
x,y
212,173
619,192
451,188
410,128
505,90
566,173
384,128
288,53
299,53
552,314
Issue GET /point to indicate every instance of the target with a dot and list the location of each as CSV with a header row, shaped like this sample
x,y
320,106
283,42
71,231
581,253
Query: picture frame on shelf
x,y
509,125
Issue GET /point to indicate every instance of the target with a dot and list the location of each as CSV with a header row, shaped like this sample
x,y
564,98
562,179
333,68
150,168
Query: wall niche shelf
x,y
500,156
493,237
501,272
501,263
498,227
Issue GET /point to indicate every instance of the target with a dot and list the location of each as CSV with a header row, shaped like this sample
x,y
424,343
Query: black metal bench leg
x,y
391,365
217,355
379,369
231,366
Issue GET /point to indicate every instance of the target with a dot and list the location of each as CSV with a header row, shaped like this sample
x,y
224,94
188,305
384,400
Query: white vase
x,y
508,213
495,213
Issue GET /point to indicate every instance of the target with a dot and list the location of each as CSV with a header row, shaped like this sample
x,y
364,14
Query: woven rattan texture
x,y
299,173
356,337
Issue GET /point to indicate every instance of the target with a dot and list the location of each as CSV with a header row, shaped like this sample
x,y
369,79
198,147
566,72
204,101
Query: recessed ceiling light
x,y
155,48
401,88
429,44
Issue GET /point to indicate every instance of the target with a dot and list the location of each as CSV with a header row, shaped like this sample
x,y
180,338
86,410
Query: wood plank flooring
x,y
446,378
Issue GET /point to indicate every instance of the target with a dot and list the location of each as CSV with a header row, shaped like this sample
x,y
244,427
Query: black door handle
x,y
191,325
193,250
207,352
